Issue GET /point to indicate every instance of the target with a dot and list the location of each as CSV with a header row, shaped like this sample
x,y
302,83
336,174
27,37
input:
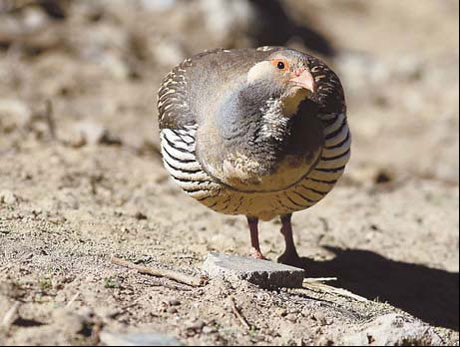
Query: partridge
x,y
255,132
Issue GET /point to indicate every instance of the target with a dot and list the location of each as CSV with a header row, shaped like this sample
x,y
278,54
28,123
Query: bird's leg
x,y
290,256
254,229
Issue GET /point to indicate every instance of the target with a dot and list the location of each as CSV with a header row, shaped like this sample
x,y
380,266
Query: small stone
x,y
146,339
291,317
168,52
226,20
140,216
13,114
158,5
91,133
209,330
260,272
8,198
174,302
196,326
383,177
395,330
34,19
281,312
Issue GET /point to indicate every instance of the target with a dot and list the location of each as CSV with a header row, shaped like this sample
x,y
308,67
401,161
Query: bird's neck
x,y
250,140
256,120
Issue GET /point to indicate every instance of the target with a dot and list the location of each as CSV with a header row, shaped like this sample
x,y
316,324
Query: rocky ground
x,y
81,178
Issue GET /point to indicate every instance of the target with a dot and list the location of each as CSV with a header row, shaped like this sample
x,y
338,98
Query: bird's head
x,y
287,76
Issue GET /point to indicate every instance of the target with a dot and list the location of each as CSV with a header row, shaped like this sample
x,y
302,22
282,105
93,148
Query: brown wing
x,y
197,86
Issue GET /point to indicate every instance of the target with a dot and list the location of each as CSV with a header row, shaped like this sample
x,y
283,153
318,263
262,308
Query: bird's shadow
x,y
429,294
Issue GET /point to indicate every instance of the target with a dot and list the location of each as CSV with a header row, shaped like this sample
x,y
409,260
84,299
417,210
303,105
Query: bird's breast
x,y
244,173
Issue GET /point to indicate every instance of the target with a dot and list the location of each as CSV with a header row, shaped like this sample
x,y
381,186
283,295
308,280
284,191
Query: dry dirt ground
x,y
81,178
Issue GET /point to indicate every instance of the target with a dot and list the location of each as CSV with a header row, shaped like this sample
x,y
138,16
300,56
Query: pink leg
x,y
290,256
253,227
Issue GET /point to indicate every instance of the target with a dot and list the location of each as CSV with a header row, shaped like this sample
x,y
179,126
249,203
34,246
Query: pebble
x,y
209,330
14,114
395,330
174,302
158,5
227,19
8,198
167,52
260,272
146,339
292,318
197,325
281,312
91,133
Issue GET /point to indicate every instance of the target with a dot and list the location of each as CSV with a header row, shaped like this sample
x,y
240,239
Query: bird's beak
x,y
304,79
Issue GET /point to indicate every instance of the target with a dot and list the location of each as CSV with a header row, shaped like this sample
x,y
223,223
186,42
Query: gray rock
x,y
227,19
7,197
167,52
395,330
261,272
91,133
109,339
13,114
158,5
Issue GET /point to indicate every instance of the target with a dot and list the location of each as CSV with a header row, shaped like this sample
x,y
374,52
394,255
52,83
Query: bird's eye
x,y
281,65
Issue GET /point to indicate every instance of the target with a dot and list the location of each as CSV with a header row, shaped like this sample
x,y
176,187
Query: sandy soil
x,y
81,178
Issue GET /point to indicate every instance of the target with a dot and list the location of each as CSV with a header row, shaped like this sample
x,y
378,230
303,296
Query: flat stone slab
x,y
261,272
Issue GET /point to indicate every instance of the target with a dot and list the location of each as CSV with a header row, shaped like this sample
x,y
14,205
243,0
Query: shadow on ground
x,y
429,294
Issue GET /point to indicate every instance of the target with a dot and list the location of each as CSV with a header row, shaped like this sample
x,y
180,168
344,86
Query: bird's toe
x,y
256,254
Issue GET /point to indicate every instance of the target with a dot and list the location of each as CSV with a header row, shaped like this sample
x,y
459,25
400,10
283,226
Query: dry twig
x,y
49,117
157,272
324,288
320,280
72,300
238,314
10,316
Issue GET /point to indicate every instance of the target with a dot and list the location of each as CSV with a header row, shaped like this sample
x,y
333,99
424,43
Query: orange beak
x,y
304,79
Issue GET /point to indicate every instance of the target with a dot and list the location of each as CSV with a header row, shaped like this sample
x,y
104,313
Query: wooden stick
x,y
158,283
320,280
238,314
72,300
157,272
324,288
49,116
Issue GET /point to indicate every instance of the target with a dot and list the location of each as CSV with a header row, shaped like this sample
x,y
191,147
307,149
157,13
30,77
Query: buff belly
x,y
267,206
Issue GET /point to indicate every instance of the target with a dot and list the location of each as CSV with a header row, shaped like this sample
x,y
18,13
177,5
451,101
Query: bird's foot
x,y
290,258
256,254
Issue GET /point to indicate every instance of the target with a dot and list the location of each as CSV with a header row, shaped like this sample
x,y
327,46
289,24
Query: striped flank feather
x,y
178,149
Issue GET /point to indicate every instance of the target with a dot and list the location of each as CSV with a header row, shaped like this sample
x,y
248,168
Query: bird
x,y
258,132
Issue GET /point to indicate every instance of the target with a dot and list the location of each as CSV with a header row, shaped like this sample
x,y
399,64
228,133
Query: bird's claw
x,y
256,254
